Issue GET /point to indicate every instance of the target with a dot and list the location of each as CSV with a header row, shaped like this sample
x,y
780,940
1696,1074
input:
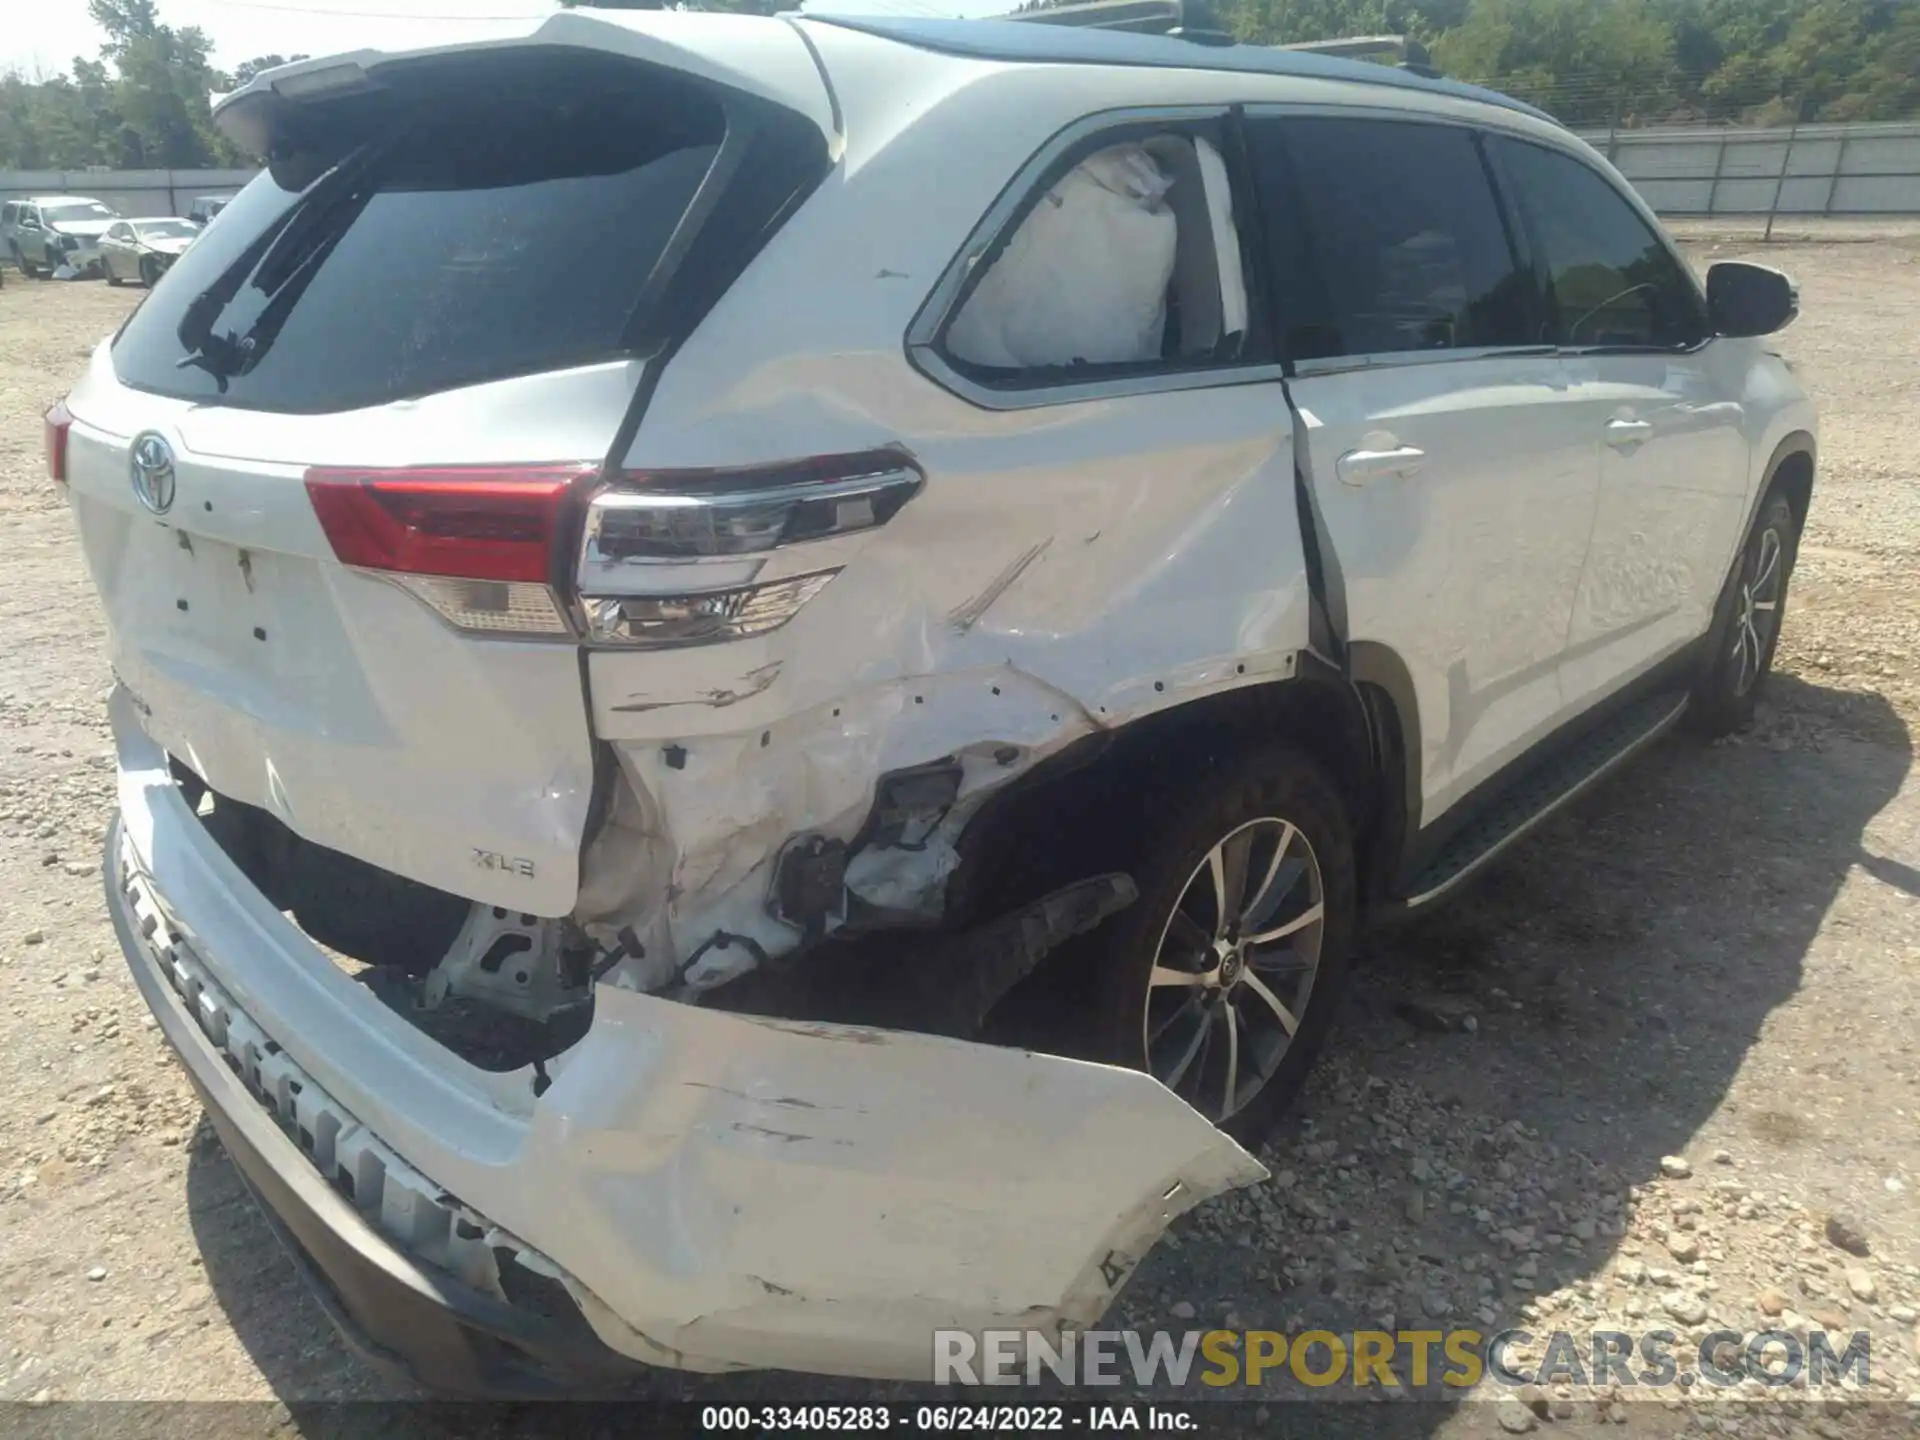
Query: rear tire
x,y
1269,826
106,268
1747,621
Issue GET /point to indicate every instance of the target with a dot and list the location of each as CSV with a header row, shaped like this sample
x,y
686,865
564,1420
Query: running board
x,y
1542,792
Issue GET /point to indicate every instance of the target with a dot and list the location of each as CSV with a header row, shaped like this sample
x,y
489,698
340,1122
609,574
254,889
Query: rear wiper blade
x,y
248,350
269,261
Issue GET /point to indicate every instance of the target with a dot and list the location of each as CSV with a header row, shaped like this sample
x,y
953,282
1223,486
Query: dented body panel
x,y
1068,569
715,1191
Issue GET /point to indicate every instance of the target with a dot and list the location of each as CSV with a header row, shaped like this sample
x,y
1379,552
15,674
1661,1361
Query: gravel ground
x,y
1645,1075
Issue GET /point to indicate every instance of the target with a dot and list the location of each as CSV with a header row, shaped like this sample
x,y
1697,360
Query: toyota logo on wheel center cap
x,y
151,464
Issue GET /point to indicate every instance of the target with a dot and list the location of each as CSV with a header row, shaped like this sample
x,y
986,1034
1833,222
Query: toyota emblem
x,y
152,467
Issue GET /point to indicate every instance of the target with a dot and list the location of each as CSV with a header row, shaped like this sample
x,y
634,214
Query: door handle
x,y
1356,467
1623,433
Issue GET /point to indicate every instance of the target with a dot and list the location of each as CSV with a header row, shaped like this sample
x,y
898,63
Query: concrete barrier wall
x,y
131,192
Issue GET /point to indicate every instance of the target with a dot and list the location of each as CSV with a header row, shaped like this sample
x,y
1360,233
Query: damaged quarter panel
x,y
1067,568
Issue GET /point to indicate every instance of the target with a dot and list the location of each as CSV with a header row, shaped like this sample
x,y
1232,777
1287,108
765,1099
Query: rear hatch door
x,y
448,284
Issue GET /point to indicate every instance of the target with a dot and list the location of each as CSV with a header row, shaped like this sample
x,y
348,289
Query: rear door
x,y
1662,403
324,475
1440,436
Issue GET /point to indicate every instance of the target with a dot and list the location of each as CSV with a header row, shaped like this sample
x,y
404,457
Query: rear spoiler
x,y
1193,20
712,47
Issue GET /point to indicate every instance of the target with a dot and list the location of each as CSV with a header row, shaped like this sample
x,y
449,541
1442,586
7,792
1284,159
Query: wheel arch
x,y
1791,467
1076,811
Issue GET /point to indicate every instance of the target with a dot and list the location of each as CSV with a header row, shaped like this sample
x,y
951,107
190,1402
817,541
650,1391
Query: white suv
x,y
675,578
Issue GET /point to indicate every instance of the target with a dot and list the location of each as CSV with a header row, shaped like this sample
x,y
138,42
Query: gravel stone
x,y
1514,1418
1844,1231
1686,1307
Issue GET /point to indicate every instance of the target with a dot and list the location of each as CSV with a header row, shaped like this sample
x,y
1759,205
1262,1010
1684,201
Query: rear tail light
x,y
664,557
688,557
477,543
697,619
59,422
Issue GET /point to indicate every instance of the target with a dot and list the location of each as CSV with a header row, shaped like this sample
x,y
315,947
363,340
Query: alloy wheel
x,y
1235,967
1757,617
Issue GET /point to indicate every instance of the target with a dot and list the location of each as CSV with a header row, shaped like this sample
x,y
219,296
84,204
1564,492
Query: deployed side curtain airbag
x,y
1085,276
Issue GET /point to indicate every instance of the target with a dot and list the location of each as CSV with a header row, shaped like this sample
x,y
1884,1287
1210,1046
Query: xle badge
x,y
505,864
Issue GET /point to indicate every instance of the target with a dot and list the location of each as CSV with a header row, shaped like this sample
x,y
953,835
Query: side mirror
x,y
1747,299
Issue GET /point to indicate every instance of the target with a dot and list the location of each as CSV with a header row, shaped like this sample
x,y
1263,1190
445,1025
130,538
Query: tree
x,y
1583,60
164,79
144,100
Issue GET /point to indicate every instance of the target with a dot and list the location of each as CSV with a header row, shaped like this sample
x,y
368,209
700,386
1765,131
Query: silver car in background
x,y
143,249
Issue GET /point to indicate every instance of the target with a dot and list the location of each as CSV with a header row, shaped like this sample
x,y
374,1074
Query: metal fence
x,y
132,192
1798,171
1682,170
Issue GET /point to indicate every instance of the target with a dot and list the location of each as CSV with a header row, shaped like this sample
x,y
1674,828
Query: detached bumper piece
x,y
324,1183
703,1190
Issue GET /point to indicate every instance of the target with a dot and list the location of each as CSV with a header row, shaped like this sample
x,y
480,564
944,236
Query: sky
x,y
41,37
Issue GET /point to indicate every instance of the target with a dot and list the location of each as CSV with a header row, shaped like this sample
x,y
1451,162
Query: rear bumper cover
x,y
422,1325
692,1188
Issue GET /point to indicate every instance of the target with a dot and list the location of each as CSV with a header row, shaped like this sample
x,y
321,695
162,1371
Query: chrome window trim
x,y
930,363
937,310
1399,359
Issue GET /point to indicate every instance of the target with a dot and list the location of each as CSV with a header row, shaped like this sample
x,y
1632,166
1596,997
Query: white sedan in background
x,y
143,249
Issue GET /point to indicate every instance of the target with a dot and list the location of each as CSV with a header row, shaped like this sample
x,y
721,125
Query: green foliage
x,y
1595,62
144,101
142,105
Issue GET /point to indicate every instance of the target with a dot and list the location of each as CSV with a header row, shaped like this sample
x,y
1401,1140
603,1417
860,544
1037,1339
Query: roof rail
x,y
1182,19
1409,53
1192,20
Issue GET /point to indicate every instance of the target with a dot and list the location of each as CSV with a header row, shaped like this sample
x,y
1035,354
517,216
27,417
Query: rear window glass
x,y
504,220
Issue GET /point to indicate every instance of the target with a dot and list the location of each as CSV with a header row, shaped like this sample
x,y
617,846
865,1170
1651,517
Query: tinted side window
x,y
1611,279
1385,237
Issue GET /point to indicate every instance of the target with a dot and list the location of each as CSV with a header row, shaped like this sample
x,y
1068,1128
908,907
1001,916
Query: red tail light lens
x,y
475,523
59,421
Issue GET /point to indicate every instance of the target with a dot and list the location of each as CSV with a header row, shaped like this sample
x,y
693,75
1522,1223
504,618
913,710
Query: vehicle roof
x,y
61,200
1023,41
